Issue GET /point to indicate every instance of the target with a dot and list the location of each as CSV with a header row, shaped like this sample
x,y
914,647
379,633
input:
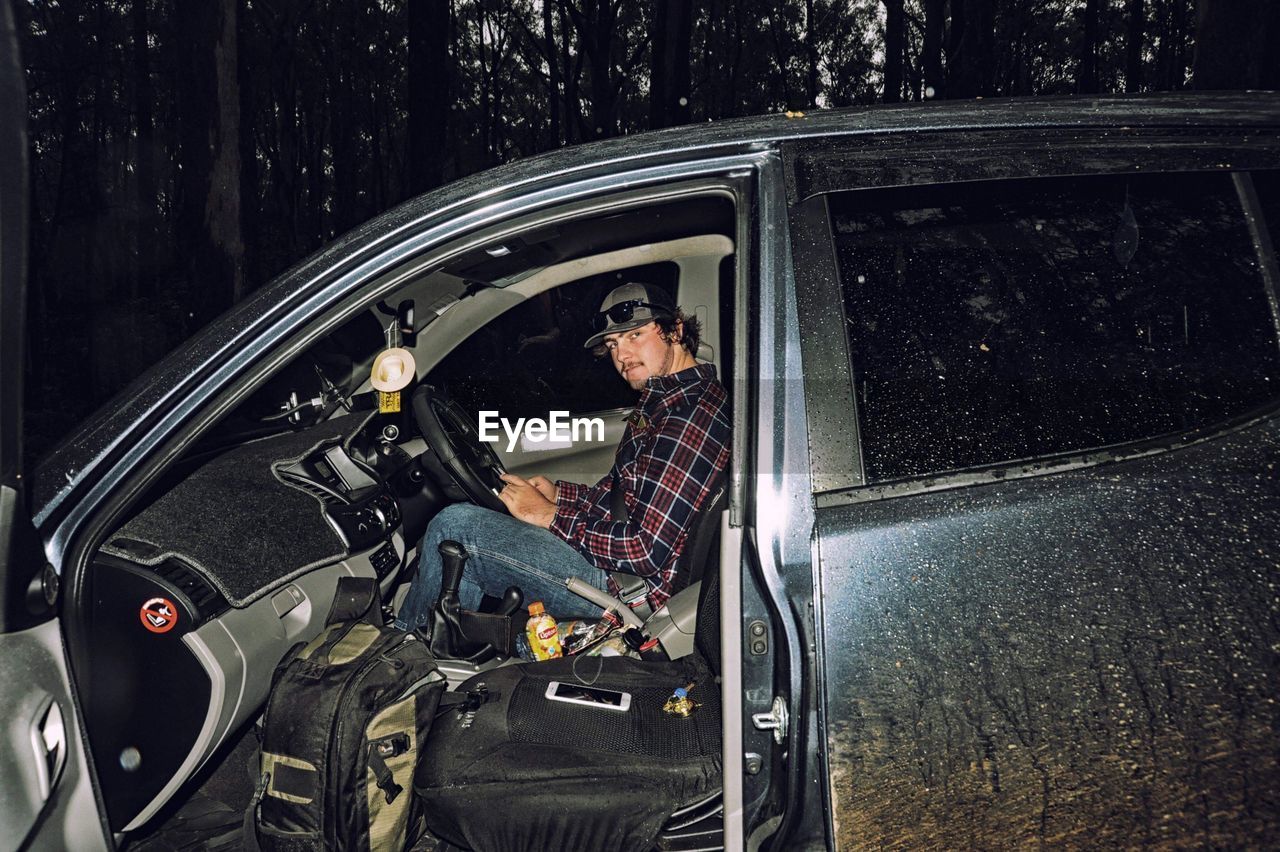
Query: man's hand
x,y
545,487
526,501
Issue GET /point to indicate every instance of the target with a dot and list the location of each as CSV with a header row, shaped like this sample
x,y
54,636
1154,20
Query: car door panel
x,y
1059,659
233,658
48,799
46,793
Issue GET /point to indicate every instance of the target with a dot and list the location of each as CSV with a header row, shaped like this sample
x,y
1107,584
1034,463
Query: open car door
x,y
46,797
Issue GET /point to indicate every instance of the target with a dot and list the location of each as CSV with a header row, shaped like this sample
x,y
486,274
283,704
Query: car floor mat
x,y
201,825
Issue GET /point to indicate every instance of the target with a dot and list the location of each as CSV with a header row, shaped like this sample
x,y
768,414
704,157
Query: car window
x,y
529,360
989,322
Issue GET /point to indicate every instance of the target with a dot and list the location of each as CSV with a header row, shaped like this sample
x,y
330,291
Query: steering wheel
x,y
452,439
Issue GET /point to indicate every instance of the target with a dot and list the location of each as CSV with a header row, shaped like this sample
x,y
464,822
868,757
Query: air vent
x,y
206,599
323,495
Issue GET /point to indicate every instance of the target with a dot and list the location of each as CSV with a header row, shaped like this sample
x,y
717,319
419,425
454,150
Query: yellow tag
x,y
388,402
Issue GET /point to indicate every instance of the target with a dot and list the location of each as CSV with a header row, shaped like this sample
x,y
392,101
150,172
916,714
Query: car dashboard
x,y
197,596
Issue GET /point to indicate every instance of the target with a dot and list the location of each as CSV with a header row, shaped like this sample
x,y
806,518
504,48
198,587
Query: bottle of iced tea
x,y
544,638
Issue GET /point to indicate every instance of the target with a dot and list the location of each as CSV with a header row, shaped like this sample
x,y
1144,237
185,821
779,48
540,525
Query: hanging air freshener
x,y
393,370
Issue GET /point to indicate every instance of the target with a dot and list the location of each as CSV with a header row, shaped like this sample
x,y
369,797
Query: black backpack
x,y
345,724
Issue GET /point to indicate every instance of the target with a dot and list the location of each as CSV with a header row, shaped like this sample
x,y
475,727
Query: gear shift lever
x,y
454,556
447,638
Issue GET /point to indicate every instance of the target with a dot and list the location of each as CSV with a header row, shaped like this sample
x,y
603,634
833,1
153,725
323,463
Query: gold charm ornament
x,y
680,704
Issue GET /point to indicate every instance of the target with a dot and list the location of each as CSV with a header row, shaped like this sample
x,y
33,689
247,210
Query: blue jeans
x,y
503,551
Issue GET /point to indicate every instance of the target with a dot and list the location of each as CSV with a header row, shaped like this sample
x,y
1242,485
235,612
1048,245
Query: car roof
x,y
1167,109
99,436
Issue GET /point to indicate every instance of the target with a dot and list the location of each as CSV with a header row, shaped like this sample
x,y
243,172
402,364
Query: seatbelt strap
x,y
632,590
617,499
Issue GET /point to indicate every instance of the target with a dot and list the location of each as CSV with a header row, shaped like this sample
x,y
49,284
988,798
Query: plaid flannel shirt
x,y
676,440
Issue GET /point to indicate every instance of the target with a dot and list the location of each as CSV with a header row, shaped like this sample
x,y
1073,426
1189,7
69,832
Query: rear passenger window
x,y
992,322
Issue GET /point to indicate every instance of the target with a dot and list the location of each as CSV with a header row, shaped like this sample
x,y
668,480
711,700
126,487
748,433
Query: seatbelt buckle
x,y
634,592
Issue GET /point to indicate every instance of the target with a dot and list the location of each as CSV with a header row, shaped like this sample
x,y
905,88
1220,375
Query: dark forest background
x,y
183,153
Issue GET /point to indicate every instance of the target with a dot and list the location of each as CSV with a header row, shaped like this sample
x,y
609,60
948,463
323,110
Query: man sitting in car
x,y
636,519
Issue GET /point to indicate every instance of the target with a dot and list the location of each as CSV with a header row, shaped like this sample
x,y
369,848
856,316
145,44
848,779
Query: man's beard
x,y
667,361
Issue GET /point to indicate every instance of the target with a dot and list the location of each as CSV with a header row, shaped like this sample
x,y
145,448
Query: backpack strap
x,y
356,599
466,702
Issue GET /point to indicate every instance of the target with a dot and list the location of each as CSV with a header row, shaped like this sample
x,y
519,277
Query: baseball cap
x,y
629,306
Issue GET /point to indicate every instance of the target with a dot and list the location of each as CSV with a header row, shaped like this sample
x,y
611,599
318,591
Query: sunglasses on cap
x,y
623,312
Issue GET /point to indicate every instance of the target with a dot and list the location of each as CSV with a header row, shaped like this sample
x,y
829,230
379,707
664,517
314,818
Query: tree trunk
x,y
428,98
736,48
554,102
1171,54
1235,45
209,227
970,59
811,51
572,117
487,119
1162,44
679,40
346,160
1135,26
143,278
596,26
659,65
289,134
595,23
932,49
984,24
955,51
249,205
1087,67
1181,26
669,81
894,35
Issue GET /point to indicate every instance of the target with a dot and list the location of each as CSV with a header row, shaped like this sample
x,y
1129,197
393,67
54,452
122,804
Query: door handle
x,y
49,742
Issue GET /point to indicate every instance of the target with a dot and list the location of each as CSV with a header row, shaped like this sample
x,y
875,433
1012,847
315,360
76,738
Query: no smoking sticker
x,y
159,615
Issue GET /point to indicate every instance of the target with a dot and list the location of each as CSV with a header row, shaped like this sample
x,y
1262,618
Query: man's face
x,y
640,353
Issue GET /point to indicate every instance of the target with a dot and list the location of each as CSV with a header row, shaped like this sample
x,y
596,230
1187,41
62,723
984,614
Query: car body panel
x,y
779,541
1085,658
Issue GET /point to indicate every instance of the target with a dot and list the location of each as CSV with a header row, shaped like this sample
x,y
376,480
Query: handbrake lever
x,y
511,600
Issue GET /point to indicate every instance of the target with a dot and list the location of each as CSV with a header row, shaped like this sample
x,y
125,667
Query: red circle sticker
x,y
159,615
